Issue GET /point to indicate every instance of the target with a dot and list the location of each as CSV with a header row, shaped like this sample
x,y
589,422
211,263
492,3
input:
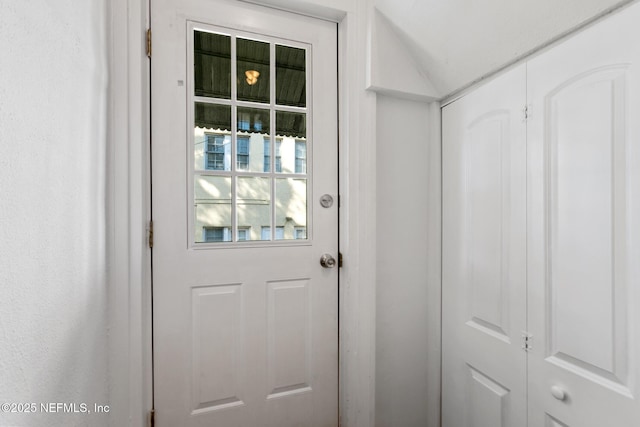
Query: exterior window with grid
x,y
243,234
278,156
217,234
244,122
266,233
301,157
242,154
300,233
215,152
267,156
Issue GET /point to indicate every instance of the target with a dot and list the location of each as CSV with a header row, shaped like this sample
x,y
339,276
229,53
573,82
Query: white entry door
x,y
484,258
584,228
244,171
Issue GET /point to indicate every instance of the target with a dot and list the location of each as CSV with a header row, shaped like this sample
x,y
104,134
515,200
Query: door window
x,y
250,145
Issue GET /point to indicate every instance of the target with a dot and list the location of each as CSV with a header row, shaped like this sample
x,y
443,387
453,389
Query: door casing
x,y
129,210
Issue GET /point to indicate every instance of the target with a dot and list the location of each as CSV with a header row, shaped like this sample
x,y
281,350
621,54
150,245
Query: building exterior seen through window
x,y
253,152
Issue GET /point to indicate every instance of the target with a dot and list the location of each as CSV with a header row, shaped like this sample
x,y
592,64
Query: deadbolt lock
x,y
326,201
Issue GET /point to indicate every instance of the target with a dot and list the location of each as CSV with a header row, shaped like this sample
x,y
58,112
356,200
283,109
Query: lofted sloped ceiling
x,y
457,42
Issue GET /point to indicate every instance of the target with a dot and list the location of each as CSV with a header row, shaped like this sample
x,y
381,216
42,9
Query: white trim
x,y
357,221
129,194
312,8
130,380
434,267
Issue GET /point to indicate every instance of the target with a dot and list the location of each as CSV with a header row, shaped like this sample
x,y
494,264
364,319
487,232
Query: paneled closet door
x,y
584,228
484,274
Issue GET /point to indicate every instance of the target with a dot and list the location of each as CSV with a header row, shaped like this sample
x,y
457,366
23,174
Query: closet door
x,y
584,228
484,275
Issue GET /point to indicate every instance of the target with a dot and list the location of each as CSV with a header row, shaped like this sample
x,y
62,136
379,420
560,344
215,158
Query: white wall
x,y
408,263
53,327
393,69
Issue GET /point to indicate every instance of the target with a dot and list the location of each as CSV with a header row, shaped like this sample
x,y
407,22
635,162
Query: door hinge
x,y
526,112
152,418
149,42
150,235
339,259
527,341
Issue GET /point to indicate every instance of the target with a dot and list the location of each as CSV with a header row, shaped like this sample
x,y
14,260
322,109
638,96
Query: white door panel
x,y
584,237
245,332
484,287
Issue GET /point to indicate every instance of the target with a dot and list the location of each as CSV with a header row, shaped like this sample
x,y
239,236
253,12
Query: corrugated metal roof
x,y
212,68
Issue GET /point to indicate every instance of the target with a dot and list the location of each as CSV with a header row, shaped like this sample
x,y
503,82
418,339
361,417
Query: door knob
x,y
558,392
327,261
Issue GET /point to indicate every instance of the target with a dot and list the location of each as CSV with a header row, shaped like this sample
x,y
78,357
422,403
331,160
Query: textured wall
x,y
52,189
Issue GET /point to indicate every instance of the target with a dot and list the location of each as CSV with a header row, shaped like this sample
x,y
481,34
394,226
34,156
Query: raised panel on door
x,y
484,286
217,354
584,239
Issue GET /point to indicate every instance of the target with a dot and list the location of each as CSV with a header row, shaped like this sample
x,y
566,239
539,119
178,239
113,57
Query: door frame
x,y
128,209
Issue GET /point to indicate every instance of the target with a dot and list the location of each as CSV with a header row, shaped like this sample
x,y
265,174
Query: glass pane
x,y
253,70
212,201
291,124
291,207
212,137
251,149
212,64
253,120
253,206
212,116
291,79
